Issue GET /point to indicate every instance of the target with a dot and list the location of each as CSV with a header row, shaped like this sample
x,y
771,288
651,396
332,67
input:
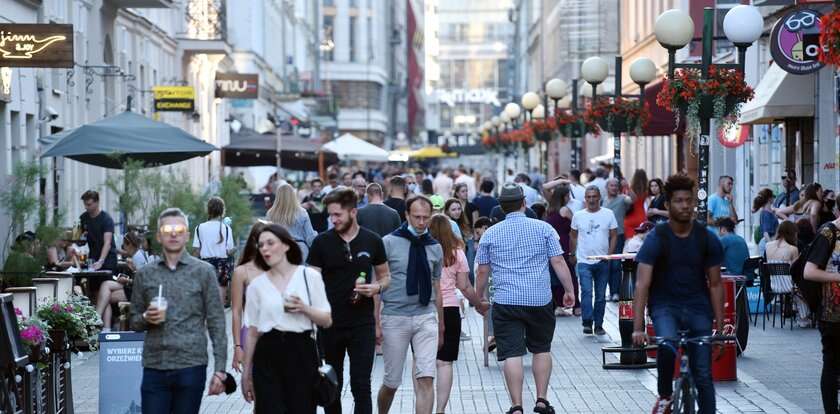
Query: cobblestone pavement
x,y
779,373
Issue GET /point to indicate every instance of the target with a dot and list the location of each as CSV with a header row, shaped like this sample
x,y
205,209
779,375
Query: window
x,y
329,3
353,38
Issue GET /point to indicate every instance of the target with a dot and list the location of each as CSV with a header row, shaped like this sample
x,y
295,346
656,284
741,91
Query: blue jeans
x,y
599,273
173,391
615,267
667,321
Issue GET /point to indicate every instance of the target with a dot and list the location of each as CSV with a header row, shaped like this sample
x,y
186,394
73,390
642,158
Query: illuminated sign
x,y
36,45
795,42
174,98
237,85
452,97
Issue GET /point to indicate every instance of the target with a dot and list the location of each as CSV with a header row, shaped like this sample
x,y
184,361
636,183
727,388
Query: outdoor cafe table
x,y
94,279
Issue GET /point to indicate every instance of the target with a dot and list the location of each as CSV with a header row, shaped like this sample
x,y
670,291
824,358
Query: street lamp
x,y
674,29
594,70
538,112
504,118
530,100
512,110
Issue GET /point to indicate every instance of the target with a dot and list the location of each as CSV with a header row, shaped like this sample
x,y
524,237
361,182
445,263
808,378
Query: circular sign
x,y
795,42
701,194
734,136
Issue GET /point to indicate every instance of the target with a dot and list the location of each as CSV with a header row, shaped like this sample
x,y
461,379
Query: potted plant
x,y
71,321
619,115
574,125
543,129
718,96
830,38
33,334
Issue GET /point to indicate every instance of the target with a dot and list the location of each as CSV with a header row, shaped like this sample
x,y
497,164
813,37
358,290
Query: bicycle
x,y
684,399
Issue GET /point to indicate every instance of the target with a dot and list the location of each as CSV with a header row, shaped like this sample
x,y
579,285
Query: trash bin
x,y
625,313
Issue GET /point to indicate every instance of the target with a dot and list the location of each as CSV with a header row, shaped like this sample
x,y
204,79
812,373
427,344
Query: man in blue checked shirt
x,y
519,250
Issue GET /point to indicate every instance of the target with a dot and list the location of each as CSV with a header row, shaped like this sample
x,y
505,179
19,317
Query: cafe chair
x,y
65,284
46,289
23,298
777,290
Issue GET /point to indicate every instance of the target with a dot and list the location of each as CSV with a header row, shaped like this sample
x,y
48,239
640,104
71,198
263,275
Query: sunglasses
x,y
347,253
173,228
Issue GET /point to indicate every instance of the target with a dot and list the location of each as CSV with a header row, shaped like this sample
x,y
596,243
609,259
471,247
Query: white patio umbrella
x,y
349,147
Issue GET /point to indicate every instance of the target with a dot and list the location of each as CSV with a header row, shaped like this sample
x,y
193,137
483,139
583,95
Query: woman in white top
x,y
244,273
119,289
214,242
282,307
288,213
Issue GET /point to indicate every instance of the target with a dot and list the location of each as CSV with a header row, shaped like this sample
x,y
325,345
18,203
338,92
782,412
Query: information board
x,y
120,372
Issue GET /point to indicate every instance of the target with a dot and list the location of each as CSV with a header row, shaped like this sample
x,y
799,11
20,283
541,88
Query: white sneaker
x,y
662,406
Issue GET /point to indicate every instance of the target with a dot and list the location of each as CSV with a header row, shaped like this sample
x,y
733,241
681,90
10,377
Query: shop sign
x,y
237,85
36,45
6,84
733,136
795,42
452,97
174,98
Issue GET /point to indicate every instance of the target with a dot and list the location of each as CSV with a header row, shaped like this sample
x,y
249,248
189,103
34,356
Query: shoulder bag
x,y
326,383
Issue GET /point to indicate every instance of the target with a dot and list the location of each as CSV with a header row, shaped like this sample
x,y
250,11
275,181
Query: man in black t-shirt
x,y
98,227
314,206
397,195
823,266
343,255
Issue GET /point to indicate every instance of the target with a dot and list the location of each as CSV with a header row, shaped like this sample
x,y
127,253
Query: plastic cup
x,y
160,303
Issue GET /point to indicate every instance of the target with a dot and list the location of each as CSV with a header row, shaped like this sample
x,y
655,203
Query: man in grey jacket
x,y
175,348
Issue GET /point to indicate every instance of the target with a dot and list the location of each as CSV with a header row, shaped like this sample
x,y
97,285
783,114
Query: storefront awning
x,y
780,95
662,121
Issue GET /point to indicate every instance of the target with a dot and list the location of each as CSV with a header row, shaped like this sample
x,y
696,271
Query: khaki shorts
x,y
398,332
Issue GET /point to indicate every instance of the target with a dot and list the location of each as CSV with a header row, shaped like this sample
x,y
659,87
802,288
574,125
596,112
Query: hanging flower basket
x,y
573,125
830,38
620,115
719,96
543,129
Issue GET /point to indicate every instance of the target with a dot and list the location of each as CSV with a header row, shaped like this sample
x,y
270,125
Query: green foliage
x,y
76,316
237,206
127,186
19,199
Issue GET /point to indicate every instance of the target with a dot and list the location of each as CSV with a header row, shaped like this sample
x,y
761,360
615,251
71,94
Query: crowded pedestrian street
x,y
419,206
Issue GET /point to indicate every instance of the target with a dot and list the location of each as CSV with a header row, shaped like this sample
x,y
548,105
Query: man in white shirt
x,y
442,184
594,233
462,177
600,181
532,196
577,188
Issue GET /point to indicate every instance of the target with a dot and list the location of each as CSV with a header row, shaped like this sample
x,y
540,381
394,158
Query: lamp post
x,y
642,72
674,29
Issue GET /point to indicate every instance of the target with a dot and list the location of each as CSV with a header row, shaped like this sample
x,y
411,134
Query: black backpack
x,y
811,290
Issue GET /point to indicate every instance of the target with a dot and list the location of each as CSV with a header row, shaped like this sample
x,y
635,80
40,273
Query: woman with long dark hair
x,y
655,207
768,223
283,305
214,242
461,192
808,206
560,217
244,272
453,276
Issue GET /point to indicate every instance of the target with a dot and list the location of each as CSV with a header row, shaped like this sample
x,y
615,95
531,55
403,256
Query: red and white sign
x,y
734,136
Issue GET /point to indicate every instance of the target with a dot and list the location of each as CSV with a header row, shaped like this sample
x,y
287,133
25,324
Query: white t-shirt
x,y
264,303
442,185
470,182
140,258
593,233
207,238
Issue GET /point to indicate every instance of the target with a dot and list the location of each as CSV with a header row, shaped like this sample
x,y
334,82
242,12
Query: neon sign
x,y
36,45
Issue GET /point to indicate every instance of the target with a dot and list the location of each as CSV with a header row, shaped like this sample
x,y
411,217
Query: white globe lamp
x,y
642,71
743,24
512,110
673,29
539,112
530,100
595,70
556,88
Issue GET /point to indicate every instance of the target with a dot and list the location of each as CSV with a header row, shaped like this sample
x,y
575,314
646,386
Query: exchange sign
x,y
174,98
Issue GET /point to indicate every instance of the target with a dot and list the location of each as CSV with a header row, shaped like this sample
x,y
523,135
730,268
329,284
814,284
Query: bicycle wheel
x,y
682,402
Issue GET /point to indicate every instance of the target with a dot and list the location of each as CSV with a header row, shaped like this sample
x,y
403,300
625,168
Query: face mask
x,y
412,187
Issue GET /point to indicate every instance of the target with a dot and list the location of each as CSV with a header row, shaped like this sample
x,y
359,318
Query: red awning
x,y
661,119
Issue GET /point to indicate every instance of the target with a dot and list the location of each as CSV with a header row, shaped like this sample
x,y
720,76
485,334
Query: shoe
x,y
662,406
614,297
545,409
562,312
587,330
600,331
804,323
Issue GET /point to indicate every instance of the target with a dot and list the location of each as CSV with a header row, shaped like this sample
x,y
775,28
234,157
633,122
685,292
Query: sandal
x,y
516,408
548,409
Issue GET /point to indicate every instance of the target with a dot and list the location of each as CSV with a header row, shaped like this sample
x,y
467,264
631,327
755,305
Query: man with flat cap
x,y
519,250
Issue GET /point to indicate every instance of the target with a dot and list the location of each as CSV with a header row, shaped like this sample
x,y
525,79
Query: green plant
x,y
19,199
128,187
75,316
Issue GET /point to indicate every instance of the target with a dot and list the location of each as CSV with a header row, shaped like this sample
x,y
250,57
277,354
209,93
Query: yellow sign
x,y
174,98
173,92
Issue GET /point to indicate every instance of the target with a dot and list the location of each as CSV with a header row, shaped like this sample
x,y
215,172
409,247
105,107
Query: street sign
x,y
237,85
174,98
795,42
36,45
120,372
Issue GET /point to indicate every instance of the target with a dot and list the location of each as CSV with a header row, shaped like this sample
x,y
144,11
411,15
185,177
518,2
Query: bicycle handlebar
x,y
695,340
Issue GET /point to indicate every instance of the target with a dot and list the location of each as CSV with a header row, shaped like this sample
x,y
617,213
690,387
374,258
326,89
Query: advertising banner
x,y
237,85
174,98
120,372
36,45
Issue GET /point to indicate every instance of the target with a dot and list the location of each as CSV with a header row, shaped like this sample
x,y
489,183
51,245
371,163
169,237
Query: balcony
x,y
144,4
205,28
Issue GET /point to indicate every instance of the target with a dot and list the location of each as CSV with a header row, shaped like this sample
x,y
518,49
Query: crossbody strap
x,y
314,328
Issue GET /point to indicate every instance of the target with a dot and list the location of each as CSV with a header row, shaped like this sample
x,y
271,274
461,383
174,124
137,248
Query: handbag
x,y
326,383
